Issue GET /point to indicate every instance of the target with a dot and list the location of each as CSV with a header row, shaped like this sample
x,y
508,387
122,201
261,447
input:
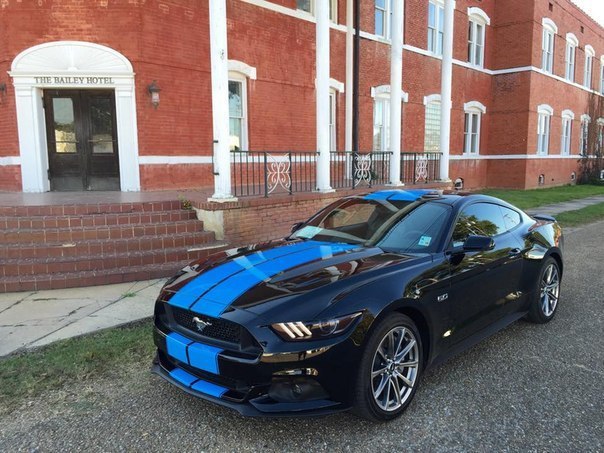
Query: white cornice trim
x,y
567,113
545,108
477,13
431,98
473,106
385,90
548,23
243,68
10,160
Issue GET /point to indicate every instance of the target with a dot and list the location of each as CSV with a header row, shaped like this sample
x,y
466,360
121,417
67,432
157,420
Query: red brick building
x,y
76,111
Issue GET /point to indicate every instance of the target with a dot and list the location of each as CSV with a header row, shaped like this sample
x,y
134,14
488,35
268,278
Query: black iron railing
x,y
263,173
419,168
351,170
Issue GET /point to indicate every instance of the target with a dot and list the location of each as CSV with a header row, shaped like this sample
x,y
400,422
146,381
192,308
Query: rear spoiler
x,y
544,217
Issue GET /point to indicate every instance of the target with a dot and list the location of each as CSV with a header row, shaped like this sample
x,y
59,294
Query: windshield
x,y
400,226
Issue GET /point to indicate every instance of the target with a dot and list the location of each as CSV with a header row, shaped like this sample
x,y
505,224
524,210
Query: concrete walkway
x,y
37,318
573,205
32,319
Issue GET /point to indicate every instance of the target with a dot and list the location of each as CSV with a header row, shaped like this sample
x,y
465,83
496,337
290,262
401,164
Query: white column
x,y
127,136
220,100
396,89
322,93
349,72
445,90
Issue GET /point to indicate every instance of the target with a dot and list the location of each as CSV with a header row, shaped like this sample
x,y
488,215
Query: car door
x,y
482,283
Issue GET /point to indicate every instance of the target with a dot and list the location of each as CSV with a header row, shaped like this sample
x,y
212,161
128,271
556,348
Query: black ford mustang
x,y
350,309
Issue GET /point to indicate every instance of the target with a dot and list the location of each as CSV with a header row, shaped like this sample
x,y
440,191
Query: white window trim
x,y
385,125
431,98
478,14
585,119
544,111
571,43
333,136
602,75
589,66
437,4
387,18
566,140
474,106
243,68
549,28
237,76
384,92
333,10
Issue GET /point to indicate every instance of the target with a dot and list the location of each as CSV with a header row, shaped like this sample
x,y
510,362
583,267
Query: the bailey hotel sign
x,y
73,80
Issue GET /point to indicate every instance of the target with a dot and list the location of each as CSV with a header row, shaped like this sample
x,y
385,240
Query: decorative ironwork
x,y
278,173
421,169
362,168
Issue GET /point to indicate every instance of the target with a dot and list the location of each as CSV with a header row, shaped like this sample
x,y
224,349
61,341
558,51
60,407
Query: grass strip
x,y
525,199
581,216
32,373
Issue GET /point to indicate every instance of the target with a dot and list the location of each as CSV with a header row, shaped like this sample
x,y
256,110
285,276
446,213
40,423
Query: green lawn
x,y
102,354
588,214
526,199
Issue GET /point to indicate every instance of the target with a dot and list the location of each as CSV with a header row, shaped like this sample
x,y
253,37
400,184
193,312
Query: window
x,y
570,56
332,121
600,138
432,127
309,7
543,127
381,123
511,218
602,76
237,115
478,20
547,46
383,18
584,138
589,63
567,128
473,111
436,19
480,219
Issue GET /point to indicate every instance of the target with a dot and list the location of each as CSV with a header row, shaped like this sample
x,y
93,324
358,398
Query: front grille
x,y
219,329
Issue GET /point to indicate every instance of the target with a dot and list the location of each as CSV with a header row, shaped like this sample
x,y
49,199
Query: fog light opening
x,y
285,389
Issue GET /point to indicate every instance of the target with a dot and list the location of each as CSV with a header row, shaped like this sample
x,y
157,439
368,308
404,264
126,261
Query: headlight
x,y
297,331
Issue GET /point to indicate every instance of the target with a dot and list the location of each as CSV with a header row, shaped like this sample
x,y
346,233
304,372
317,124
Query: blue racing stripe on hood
x,y
187,295
214,302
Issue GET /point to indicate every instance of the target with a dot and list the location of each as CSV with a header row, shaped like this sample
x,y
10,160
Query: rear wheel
x,y
547,293
390,369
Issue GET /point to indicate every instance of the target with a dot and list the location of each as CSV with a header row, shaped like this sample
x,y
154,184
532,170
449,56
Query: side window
x,y
511,218
480,219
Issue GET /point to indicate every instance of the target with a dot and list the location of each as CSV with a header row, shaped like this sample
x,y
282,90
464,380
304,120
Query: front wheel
x,y
547,293
390,369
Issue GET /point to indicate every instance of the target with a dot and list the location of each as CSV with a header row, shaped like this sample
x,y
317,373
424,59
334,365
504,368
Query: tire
x,y
385,406
546,295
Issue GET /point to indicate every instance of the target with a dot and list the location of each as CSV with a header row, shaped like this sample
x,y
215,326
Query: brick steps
x,y
50,247
88,278
71,234
89,220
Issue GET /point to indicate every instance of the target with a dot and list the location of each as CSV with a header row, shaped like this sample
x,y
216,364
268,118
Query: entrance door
x,y
82,140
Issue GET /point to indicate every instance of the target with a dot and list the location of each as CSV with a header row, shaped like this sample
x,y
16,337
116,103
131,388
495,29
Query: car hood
x,y
267,278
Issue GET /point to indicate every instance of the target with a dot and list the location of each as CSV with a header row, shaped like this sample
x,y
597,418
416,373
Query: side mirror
x,y
478,244
296,226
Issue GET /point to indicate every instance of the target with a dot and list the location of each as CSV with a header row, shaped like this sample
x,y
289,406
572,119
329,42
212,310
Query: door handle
x,y
514,253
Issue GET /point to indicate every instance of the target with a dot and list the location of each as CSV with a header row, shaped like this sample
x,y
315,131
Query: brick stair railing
x,y
63,246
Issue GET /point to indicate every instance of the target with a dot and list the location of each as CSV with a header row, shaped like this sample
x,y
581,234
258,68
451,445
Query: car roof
x,y
449,197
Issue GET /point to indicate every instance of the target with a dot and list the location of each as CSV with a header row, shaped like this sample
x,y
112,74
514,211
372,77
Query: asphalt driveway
x,y
529,388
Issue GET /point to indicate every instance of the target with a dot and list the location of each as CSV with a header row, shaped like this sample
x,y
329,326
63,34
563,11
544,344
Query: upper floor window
x,y
589,64
478,20
309,7
383,18
569,57
473,115
567,129
547,46
584,137
543,127
436,19
432,123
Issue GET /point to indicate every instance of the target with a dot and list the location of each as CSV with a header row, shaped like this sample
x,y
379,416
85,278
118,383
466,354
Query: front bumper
x,y
259,384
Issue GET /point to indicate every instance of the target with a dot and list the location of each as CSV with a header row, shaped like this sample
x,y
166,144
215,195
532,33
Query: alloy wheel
x,y
550,290
395,369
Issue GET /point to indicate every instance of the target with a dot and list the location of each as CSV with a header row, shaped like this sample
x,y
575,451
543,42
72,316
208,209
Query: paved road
x,y
529,388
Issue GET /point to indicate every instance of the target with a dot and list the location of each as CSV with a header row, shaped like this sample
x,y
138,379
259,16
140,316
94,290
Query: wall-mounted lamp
x,y
154,90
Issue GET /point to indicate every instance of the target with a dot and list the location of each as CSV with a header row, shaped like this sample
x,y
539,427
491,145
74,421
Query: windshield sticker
x,y
308,232
424,241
